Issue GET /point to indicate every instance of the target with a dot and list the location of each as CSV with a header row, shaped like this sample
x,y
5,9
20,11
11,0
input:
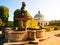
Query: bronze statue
x,y
23,10
23,17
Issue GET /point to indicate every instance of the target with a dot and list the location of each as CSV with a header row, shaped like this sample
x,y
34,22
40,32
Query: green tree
x,y
10,23
16,14
4,14
1,22
55,22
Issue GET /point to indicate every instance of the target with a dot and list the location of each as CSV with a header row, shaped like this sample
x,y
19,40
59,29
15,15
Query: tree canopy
x,y
4,14
55,22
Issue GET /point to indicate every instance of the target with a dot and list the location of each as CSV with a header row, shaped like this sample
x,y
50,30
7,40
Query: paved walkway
x,y
54,38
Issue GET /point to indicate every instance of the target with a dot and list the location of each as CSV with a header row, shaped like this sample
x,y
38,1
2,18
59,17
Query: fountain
x,y
22,35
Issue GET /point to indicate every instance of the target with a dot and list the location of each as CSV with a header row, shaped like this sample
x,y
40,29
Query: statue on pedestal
x,y
22,17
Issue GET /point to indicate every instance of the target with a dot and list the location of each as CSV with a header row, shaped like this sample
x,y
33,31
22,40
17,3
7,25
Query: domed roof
x,y
38,16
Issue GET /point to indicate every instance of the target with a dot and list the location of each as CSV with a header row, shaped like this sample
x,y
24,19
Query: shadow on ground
x,y
57,35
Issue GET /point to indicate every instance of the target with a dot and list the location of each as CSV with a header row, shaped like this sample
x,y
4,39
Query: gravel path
x,y
54,38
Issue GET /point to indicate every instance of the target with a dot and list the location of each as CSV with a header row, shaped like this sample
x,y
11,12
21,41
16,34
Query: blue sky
x,y
49,8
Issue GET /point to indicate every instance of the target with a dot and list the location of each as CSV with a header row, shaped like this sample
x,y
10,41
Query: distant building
x,y
40,19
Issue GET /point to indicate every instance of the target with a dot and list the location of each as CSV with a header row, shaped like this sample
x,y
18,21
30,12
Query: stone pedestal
x,y
32,35
40,33
17,36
